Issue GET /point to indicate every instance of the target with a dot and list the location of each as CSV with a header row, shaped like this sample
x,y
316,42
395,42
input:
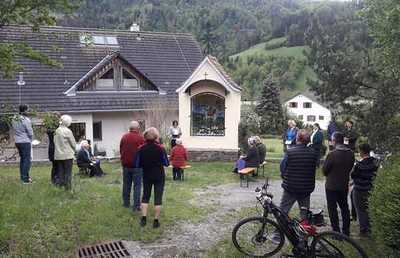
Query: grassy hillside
x,y
297,52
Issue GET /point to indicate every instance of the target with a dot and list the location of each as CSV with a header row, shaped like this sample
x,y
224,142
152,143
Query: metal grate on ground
x,y
114,249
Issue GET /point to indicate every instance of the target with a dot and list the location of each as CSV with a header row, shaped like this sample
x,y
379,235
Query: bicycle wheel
x,y
331,244
258,237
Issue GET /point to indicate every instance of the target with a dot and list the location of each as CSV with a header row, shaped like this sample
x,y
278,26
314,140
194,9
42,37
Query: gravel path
x,y
193,240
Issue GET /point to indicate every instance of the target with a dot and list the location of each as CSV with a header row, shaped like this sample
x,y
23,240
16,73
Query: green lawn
x,y
40,220
274,148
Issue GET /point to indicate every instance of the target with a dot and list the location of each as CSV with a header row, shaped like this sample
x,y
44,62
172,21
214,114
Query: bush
x,y
385,208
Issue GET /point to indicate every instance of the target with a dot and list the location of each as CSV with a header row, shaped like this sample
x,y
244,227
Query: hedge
x,y
384,205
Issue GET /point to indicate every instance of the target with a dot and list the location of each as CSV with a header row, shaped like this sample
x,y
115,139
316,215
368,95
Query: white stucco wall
x,y
115,124
232,118
316,110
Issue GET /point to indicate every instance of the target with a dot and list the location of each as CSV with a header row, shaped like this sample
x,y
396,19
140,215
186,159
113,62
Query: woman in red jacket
x,y
178,159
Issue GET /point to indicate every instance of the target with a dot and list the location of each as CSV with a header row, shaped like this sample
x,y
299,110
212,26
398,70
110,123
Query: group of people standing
x,y
298,169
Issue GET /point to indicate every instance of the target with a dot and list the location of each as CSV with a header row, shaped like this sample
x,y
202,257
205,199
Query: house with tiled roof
x,y
108,78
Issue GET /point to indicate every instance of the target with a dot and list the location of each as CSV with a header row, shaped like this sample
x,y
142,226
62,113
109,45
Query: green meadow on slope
x,y
288,64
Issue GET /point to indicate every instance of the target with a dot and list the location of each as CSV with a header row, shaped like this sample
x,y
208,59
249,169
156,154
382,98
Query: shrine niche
x,y
209,110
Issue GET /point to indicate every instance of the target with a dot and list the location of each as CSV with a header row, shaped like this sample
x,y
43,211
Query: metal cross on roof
x,y
205,75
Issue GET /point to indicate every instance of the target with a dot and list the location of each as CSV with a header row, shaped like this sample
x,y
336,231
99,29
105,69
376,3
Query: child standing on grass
x,y
178,159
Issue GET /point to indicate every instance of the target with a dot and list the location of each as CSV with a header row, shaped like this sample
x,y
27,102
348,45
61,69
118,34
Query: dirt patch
x,y
194,239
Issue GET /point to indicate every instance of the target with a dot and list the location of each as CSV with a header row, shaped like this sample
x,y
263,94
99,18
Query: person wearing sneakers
x,y
152,158
23,134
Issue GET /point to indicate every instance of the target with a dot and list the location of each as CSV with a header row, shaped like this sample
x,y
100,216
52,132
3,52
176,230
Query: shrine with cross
x,y
209,111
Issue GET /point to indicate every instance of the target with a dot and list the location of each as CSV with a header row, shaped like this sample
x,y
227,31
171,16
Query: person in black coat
x,y
363,175
298,174
85,159
54,175
252,159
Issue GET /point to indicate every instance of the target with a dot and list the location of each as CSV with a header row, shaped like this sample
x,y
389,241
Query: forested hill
x,y
225,28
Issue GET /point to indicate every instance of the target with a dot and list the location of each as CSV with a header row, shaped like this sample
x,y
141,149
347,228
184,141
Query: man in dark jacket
x,y
332,128
85,159
129,146
350,135
363,175
298,174
337,167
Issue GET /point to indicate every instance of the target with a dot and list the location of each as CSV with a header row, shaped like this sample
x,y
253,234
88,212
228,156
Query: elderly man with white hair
x,y
64,151
132,175
85,159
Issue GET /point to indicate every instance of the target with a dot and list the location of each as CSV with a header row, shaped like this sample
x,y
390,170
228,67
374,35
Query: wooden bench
x,y
183,170
244,173
262,165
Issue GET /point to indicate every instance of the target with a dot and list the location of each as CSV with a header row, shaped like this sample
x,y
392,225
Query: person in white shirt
x,y
174,132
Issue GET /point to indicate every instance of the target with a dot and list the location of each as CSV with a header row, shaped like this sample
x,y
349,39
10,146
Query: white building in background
x,y
308,110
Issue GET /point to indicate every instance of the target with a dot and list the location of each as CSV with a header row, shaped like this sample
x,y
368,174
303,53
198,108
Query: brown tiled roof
x,y
166,59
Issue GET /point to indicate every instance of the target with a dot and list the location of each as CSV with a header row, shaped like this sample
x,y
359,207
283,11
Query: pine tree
x,y
270,108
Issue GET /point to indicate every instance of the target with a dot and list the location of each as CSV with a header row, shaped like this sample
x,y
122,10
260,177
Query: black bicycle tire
x,y
336,234
262,219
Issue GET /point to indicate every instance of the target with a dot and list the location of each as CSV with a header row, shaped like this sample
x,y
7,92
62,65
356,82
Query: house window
x,y
321,118
311,118
300,117
142,125
307,105
79,131
106,82
129,81
88,39
293,104
97,131
208,115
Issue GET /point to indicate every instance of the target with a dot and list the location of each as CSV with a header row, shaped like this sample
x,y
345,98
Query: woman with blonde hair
x,y
152,158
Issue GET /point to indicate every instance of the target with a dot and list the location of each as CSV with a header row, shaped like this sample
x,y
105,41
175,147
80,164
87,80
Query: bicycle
x,y
263,237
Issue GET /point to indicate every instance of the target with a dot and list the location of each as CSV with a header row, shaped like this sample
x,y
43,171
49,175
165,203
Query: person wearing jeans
x,y
129,146
23,135
336,169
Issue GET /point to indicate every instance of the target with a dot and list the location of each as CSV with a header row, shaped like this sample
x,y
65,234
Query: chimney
x,y
135,27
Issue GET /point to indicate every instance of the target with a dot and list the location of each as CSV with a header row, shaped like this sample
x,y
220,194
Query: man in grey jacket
x,y
23,135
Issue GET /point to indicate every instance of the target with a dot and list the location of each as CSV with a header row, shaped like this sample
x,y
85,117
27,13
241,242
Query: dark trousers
x,y
158,190
24,151
361,204
64,170
288,199
177,173
55,177
131,176
95,169
335,198
353,211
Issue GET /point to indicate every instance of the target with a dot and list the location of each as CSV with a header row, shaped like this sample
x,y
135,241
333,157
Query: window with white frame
x,y
300,117
321,117
307,105
293,104
311,118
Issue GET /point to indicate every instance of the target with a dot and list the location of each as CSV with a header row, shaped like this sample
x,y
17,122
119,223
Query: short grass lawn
x,y
40,220
274,148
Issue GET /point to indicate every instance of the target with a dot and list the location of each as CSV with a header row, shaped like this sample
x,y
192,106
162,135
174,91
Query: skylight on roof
x,y
100,40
